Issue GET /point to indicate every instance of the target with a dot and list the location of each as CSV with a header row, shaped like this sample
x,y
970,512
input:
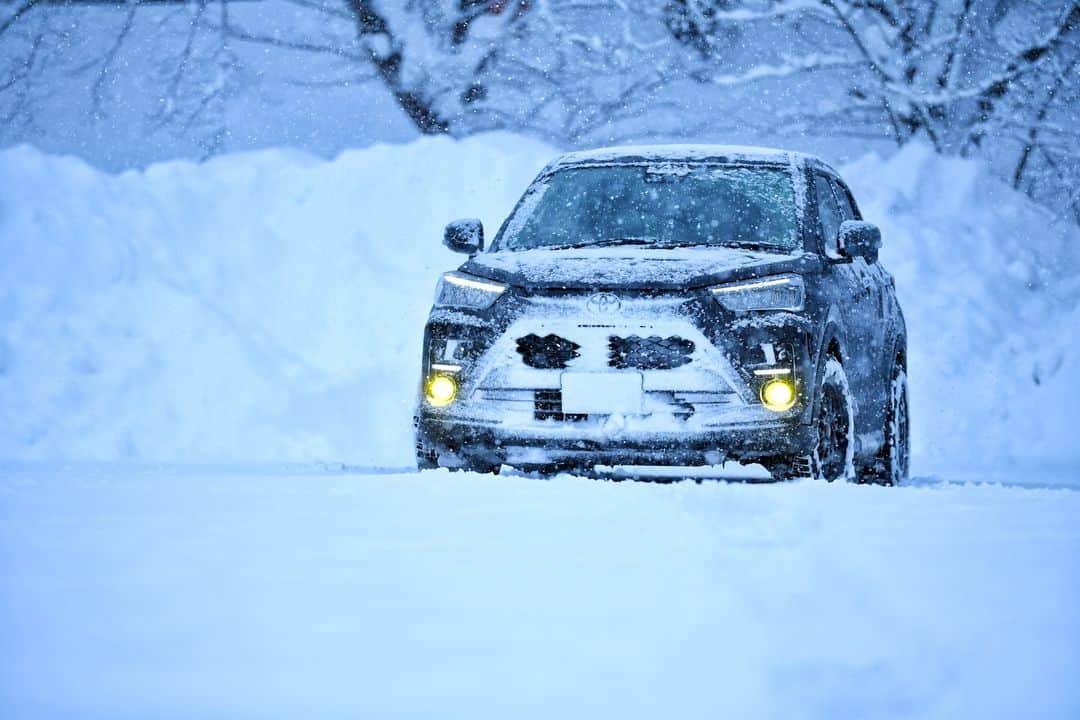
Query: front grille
x,y
649,353
550,352
549,407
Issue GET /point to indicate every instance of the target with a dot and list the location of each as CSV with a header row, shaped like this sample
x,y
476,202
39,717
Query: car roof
x,y
685,153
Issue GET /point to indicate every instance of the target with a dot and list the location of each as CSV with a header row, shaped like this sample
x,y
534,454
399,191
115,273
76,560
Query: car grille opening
x,y
549,407
550,352
649,353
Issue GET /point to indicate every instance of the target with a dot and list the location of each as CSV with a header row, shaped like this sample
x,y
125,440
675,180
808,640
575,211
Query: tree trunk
x,y
419,109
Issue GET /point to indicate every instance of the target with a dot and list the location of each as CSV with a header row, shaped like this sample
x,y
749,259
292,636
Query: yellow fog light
x,y
441,390
778,395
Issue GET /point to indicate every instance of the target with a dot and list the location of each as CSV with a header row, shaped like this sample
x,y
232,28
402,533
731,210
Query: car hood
x,y
630,267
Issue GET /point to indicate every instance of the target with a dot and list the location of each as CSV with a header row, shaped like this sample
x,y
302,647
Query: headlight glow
x,y
778,395
782,292
460,290
441,390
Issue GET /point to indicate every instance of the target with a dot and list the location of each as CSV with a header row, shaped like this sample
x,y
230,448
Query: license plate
x,y
601,393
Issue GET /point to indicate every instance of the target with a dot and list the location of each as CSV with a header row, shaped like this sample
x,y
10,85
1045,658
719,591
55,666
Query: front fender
x,y
832,336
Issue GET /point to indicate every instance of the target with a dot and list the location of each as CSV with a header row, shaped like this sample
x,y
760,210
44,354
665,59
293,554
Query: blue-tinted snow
x,y
270,305
178,594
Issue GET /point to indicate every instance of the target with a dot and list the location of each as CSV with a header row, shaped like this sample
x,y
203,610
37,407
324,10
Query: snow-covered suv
x,y
672,306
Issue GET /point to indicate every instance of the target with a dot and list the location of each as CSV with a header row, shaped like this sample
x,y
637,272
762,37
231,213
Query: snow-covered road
x,y
278,593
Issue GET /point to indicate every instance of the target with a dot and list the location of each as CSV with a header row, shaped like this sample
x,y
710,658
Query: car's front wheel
x,y
896,453
833,452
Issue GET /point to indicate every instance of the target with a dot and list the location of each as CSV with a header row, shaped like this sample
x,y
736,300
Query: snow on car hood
x,y
633,267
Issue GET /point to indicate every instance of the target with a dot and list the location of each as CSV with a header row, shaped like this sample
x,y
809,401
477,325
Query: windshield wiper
x,y
606,242
751,245
682,244
742,245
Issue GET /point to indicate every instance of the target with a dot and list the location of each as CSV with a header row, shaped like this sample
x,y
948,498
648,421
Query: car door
x,y
868,275
851,289
876,288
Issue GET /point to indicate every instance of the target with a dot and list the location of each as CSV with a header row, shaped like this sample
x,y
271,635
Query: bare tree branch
x,y
20,11
1036,126
97,89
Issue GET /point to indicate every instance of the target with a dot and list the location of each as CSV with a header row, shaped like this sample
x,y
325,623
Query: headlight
x,y
778,395
781,292
460,290
441,390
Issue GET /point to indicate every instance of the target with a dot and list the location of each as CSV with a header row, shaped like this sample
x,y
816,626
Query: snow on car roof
x,y
676,153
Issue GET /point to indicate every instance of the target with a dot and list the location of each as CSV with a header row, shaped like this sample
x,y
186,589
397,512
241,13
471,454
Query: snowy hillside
x,y
269,306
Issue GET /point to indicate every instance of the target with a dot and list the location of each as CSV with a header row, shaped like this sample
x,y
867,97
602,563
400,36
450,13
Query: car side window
x,y
828,213
847,212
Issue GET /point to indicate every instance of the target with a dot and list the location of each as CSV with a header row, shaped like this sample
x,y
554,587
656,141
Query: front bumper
x,y
700,409
453,443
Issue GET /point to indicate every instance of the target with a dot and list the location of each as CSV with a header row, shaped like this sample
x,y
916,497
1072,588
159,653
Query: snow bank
x,y
990,286
269,305
263,305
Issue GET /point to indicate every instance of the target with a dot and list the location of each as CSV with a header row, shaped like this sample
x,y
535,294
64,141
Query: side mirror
x,y
465,236
859,239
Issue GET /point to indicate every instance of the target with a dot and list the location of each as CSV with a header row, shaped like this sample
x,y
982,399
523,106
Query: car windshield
x,y
664,205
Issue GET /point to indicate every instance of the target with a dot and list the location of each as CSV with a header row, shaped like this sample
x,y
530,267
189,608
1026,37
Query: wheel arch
x,y
830,345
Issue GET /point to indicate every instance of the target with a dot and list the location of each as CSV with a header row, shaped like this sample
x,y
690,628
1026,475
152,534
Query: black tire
x,y
833,453
894,460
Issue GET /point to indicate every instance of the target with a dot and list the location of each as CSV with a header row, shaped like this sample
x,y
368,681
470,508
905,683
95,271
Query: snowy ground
x,y
166,592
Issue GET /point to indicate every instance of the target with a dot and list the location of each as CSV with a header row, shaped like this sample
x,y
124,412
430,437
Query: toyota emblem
x,y
603,304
